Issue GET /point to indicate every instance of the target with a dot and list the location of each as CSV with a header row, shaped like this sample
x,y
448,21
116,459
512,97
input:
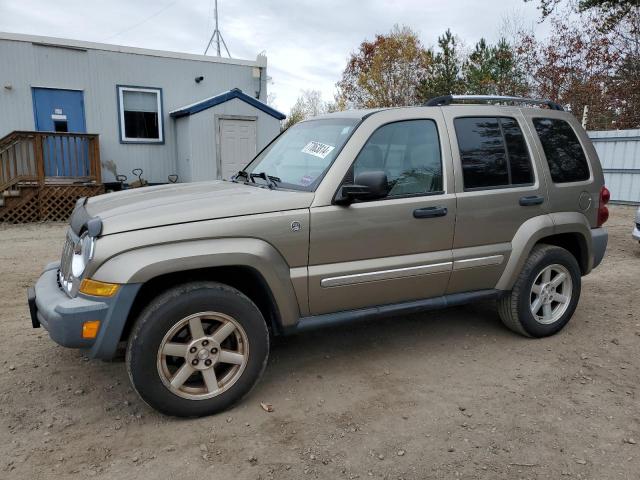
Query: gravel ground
x,y
449,394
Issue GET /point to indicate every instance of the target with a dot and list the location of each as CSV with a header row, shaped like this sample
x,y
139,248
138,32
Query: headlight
x,y
82,255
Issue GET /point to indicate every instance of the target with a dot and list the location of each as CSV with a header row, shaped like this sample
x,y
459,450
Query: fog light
x,y
98,289
90,329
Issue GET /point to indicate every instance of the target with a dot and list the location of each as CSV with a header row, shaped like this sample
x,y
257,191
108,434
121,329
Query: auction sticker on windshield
x,y
317,149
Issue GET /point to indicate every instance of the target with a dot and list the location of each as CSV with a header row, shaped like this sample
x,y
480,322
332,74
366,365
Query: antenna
x,y
217,35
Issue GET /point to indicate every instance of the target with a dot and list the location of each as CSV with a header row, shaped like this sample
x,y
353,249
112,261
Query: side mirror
x,y
367,186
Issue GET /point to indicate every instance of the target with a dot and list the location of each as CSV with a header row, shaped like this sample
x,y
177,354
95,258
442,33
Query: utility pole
x,y
217,35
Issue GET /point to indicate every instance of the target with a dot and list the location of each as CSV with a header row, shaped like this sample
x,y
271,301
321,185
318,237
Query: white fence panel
x,y
619,152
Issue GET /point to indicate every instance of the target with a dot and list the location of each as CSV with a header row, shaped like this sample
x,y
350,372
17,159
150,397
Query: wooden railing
x,y
41,157
17,160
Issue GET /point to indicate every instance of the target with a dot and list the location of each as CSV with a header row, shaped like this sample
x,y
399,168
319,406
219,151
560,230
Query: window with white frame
x,y
140,112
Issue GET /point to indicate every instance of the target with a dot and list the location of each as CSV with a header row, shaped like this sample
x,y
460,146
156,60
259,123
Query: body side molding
x,y
385,274
478,262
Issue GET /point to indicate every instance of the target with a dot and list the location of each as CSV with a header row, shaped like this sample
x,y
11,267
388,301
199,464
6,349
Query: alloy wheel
x,y
203,355
551,294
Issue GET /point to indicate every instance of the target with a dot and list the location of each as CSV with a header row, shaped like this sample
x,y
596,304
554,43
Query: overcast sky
x,y
307,42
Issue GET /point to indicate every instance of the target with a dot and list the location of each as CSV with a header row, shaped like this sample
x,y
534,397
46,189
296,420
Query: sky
x,y
307,42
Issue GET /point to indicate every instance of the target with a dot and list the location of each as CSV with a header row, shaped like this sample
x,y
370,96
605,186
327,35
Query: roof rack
x,y
449,99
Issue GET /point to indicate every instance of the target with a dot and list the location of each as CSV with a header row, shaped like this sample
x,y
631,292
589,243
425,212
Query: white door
x,y
237,145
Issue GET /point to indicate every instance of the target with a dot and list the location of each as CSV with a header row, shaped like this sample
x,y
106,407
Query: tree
x,y
385,72
577,67
583,65
444,76
308,104
613,12
493,70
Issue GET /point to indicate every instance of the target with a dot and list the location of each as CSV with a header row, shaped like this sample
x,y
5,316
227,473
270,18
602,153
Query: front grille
x,y
64,273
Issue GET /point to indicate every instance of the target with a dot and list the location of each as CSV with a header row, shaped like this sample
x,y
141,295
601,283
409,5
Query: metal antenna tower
x,y
216,35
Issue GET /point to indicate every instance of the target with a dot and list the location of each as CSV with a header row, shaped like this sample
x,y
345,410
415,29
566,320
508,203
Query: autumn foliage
x,y
590,64
385,72
583,65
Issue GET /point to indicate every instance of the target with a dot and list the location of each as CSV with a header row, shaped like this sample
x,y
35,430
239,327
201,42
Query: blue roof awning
x,y
225,97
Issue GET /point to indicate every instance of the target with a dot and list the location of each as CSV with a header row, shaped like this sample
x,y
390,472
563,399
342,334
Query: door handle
x,y
531,200
430,212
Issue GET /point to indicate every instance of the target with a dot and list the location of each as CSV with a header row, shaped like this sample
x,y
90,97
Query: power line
x,y
153,15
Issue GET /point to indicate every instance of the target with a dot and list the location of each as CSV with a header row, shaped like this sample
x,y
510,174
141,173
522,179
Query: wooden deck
x,y
42,174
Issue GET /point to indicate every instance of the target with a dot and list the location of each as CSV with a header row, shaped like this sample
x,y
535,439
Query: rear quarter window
x,y
565,156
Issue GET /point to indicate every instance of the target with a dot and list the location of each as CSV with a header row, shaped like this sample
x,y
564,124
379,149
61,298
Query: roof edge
x,y
260,61
225,97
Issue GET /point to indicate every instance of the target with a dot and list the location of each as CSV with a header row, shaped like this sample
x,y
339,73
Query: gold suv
x,y
343,217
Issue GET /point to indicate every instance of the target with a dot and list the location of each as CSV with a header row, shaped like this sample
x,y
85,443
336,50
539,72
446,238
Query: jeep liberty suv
x,y
348,216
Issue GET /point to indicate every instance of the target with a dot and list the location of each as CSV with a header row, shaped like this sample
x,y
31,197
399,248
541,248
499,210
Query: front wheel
x,y
197,349
545,294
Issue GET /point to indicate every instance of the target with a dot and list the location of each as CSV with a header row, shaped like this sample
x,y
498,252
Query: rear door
x,y
498,189
394,249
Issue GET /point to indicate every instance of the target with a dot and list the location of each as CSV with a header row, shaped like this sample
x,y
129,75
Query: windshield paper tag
x,y
317,149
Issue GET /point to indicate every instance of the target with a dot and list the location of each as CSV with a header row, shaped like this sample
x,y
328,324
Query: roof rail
x,y
449,99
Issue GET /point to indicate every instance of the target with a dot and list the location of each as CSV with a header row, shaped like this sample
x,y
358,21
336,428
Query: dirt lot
x,y
450,394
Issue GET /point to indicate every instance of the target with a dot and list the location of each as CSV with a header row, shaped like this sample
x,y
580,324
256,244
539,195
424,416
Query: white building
x,y
167,113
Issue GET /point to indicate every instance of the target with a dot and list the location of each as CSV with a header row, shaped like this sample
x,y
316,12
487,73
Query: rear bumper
x,y
63,317
599,240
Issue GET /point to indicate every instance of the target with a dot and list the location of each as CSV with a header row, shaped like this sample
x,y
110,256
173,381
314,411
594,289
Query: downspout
x,y
259,92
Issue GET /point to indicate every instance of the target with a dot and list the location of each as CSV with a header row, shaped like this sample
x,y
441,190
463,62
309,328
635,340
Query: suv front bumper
x,y
63,317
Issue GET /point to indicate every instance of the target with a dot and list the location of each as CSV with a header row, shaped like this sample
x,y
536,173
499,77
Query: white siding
x,y
619,152
97,72
202,127
183,142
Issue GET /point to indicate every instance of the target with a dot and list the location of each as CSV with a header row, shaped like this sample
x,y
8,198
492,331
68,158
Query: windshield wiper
x,y
270,179
241,173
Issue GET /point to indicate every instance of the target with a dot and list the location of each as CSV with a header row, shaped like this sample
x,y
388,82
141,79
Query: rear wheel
x,y
545,294
197,349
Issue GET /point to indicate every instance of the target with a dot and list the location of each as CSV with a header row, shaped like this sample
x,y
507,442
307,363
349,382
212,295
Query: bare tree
x,y
308,104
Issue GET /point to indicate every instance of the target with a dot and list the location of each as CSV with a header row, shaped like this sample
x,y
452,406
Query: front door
x,y
237,145
62,111
394,249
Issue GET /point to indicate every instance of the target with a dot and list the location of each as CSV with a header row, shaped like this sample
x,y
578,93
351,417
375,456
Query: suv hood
x,y
147,207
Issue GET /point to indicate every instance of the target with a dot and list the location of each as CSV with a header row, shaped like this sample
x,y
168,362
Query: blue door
x,y
62,111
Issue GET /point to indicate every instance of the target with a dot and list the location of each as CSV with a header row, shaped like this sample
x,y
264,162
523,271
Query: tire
x,y
162,349
515,308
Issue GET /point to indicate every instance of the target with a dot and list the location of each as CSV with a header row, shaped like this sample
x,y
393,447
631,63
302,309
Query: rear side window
x,y
493,152
565,156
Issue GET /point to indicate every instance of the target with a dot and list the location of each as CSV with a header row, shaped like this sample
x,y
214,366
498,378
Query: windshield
x,y
299,157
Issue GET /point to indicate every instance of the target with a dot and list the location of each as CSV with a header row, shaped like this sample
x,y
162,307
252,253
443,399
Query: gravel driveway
x,y
448,394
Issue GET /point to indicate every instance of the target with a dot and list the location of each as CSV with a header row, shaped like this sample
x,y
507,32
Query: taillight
x,y
603,211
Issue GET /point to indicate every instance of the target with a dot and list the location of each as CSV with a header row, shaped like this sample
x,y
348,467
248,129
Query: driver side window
x,y
408,152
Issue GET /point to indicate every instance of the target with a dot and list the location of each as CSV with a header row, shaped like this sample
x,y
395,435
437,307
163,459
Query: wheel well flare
x,y
574,243
245,279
